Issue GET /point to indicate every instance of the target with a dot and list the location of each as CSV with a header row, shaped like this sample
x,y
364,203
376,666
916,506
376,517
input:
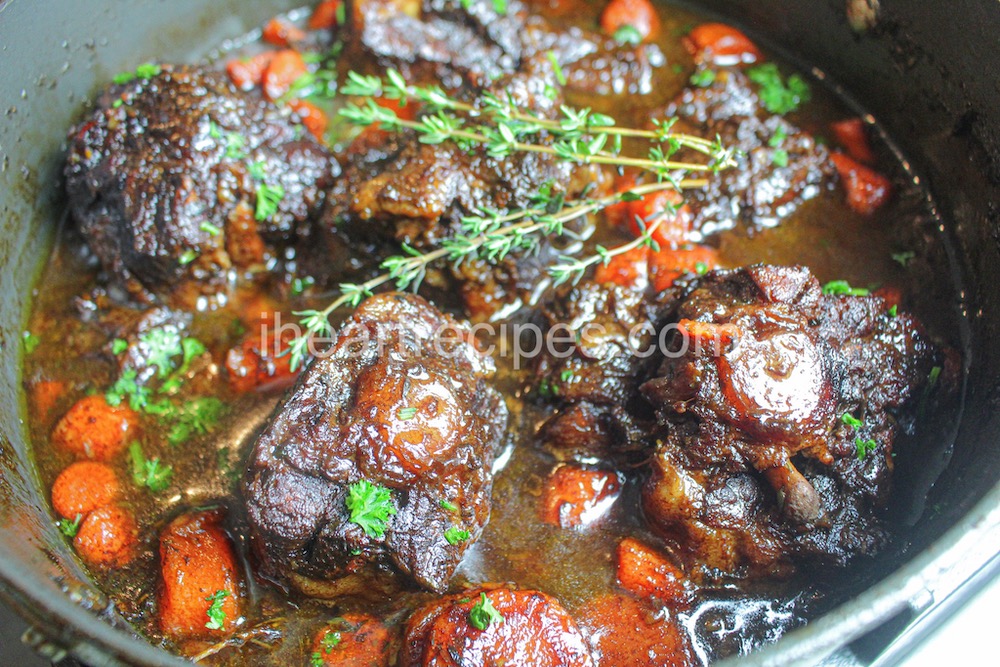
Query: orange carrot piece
x,y
575,496
630,633
284,70
852,134
197,561
107,538
638,14
353,640
645,573
282,33
867,190
669,264
95,430
324,17
721,45
247,73
313,118
628,269
45,394
83,487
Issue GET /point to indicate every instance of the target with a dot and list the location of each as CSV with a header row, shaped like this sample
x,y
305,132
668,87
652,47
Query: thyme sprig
x,y
502,127
490,236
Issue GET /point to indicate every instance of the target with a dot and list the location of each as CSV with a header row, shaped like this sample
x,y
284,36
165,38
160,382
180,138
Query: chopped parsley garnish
x,y
257,170
844,287
330,640
566,375
500,6
341,13
466,4
149,473
455,535
300,285
779,96
191,348
70,528
187,257
30,341
850,420
127,387
779,135
216,616
864,447
144,71
268,198
161,346
406,413
235,144
370,506
780,158
483,614
118,345
894,311
703,78
197,416
556,68
450,506
903,258
213,130
701,268
933,376
627,35
209,228
316,660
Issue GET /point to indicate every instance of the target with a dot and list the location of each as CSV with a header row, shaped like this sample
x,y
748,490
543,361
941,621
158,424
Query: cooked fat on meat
x,y
401,405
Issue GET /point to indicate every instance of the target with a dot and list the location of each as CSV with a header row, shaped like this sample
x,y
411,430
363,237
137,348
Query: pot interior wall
x,y
924,71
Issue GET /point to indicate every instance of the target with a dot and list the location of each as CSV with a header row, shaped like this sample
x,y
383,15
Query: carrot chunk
x,y
95,430
643,572
248,73
853,136
669,264
284,70
107,538
628,633
638,14
867,190
313,118
256,364
198,568
324,16
84,487
628,269
45,395
575,496
282,33
721,45
664,209
353,640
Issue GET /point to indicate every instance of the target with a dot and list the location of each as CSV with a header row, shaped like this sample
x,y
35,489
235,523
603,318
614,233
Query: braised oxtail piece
x,y
381,456
778,408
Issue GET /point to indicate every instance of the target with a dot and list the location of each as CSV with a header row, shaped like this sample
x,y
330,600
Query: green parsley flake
x,y
566,375
197,416
627,35
330,640
450,506
187,257
779,96
209,228
147,473
894,311
370,506
144,71
780,158
235,145
455,535
70,528
316,660
483,614
216,616
556,68
118,345
844,287
703,78
701,268
500,6
406,413
30,341
903,258
257,170
268,198
864,447
850,420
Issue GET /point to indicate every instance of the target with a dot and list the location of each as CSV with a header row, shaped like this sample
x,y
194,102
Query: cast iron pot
x,y
927,69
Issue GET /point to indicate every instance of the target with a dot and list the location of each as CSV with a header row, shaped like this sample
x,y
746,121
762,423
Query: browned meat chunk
x,y
446,42
594,380
780,166
166,180
400,414
531,630
778,409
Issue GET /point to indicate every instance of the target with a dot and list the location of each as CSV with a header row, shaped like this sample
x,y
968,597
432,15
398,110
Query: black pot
x,y
927,70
